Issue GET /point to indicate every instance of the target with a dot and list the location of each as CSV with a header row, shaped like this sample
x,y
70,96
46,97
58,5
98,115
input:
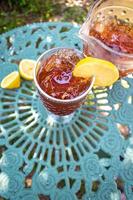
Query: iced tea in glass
x,y
60,92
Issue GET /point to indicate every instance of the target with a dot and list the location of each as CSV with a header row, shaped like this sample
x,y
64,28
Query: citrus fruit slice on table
x,y
26,68
11,81
105,72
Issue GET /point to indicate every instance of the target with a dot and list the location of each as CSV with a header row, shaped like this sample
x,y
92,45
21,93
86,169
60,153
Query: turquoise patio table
x,y
91,158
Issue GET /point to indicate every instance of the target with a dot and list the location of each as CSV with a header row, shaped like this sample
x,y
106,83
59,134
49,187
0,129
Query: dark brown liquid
x,y
117,35
55,76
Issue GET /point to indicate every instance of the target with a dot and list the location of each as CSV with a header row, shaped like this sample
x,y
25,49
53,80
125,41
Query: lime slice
x,y
26,68
11,81
105,72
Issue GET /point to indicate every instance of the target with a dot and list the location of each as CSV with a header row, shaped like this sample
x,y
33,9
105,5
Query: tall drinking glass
x,y
59,109
107,33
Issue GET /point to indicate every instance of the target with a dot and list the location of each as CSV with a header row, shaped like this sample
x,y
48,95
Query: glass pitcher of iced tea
x,y
107,33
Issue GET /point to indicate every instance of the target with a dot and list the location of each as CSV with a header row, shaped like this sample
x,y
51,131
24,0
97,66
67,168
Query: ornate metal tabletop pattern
x,y
90,158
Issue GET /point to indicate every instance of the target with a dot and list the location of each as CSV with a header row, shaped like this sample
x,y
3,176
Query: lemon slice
x,y
26,68
105,73
11,81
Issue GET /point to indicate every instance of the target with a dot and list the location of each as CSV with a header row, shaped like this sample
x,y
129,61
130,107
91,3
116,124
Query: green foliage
x,y
76,14
15,13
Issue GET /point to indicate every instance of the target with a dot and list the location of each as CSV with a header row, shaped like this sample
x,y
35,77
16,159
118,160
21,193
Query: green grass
x,y
14,13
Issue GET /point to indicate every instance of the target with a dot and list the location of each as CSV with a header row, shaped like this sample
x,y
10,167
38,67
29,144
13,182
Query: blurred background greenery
x,y
15,13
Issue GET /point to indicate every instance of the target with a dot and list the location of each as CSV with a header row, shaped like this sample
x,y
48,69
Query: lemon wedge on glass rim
x,y
105,72
26,68
11,81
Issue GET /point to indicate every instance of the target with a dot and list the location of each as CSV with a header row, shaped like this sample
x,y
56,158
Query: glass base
x,y
52,118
